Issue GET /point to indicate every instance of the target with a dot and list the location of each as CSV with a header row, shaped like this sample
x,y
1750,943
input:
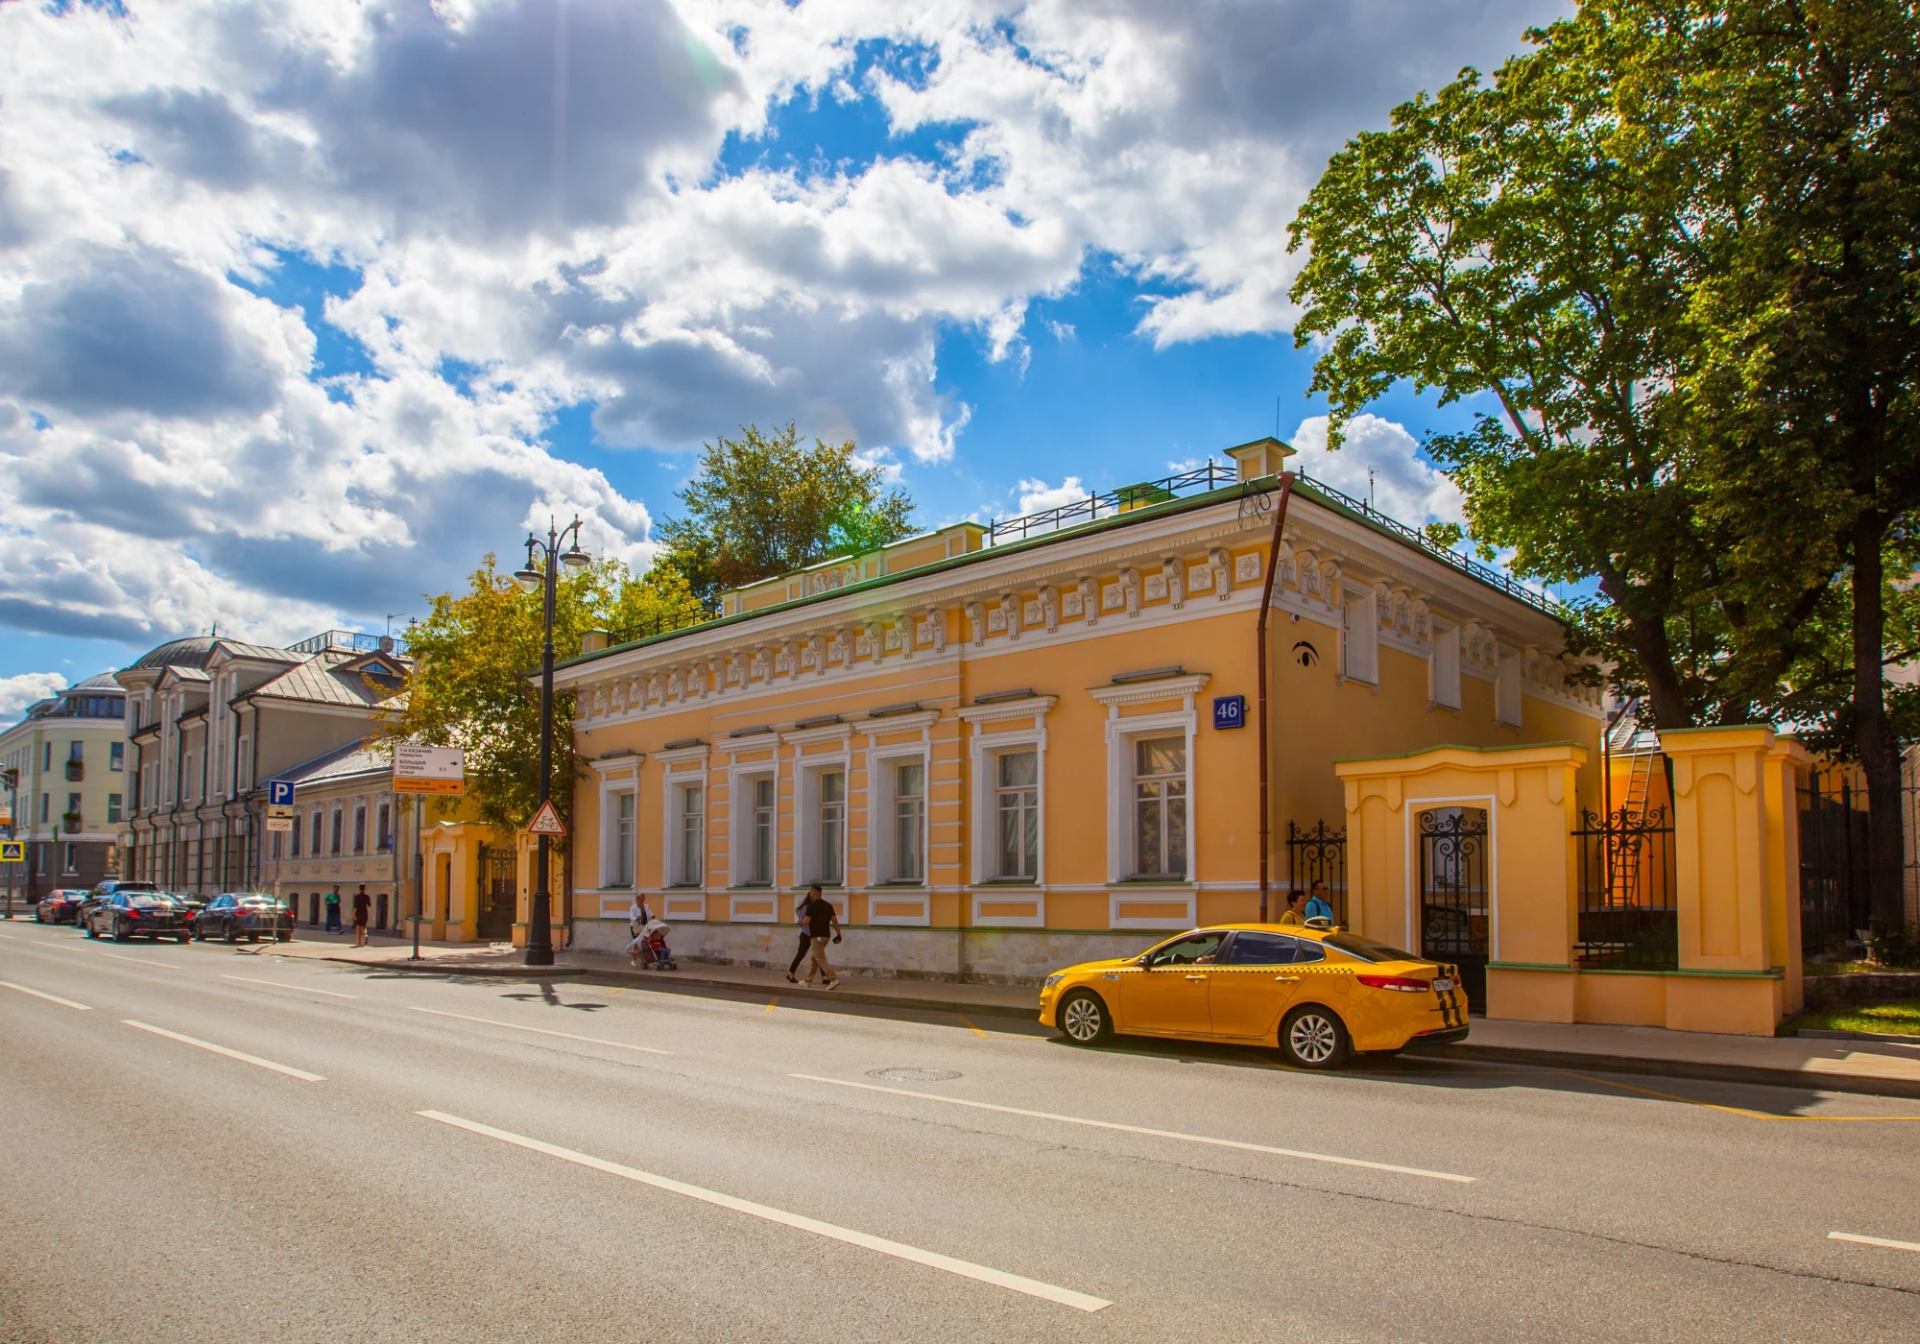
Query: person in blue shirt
x,y
1318,907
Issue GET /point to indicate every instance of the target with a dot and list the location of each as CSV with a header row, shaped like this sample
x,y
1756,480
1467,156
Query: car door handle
x,y
1196,977
1286,979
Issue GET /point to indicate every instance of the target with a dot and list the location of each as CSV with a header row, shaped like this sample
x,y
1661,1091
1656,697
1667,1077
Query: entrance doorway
x,y
1454,911
498,895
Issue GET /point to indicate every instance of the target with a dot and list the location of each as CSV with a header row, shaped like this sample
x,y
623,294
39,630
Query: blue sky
x,y
308,314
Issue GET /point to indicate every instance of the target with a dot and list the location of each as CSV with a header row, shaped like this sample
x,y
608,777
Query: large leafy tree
x,y
1671,251
472,655
765,504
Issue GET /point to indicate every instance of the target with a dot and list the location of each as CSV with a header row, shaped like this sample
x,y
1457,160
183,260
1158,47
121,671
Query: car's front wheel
x,y
93,930
229,934
1313,1037
1083,1018
121,933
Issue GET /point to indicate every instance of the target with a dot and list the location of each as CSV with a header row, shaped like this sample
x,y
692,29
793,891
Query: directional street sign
x,y
418,769
546,821
13,851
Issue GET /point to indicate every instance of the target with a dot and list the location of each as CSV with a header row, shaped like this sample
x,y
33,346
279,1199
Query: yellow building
x,y
1001,750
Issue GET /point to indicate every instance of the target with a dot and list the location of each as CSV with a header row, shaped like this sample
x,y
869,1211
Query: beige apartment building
x,y
345,831
68,757
210,720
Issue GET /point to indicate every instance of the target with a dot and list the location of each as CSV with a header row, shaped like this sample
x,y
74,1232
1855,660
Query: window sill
x,y
903,884
682,886
1159,883
1009,882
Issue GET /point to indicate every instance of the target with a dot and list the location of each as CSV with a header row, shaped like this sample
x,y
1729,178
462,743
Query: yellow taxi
x,y
1320,993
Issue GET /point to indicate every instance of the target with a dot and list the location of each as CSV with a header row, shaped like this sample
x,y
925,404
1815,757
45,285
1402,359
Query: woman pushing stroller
x,y
649,939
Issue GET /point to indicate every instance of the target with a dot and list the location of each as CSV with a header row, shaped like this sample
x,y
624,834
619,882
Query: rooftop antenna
x,y
1276,417
1369,488
390,616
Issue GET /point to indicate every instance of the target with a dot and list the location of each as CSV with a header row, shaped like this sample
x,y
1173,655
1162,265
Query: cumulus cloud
x,y
28,688
1377,460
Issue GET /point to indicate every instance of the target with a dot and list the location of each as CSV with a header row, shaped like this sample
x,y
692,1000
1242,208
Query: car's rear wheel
x,y
285,937
121,934
92,930
183,938
1083,1018
231,936
1313,1037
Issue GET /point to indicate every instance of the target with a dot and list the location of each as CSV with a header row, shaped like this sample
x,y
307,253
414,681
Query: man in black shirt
x,y
821,919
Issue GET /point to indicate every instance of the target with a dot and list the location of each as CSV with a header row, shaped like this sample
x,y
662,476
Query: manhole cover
x,y
913,1075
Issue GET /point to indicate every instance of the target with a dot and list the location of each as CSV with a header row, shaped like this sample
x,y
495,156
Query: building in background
x,y
345,831
210,720
69,757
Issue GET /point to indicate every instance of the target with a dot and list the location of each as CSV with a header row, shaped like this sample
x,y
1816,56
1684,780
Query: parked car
x,y
103,890
60,906
1317,993
188,902
234,915
137,914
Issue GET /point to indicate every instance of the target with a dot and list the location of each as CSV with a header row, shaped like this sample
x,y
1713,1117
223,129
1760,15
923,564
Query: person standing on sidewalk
x,y
362,908
822,920
806,942
333,909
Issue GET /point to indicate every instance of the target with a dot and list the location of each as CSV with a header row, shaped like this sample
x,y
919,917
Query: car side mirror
x,y
1146,961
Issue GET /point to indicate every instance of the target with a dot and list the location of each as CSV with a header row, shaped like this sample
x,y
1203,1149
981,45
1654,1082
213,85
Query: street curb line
x,y
1879,1037
1680,1068
426,967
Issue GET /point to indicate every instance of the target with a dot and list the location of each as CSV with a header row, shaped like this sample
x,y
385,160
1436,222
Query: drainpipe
x,y
1260,629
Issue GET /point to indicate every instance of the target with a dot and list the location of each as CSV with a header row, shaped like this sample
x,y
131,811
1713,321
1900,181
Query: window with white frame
x,y
1159,811
909,821
116,756
1444,667
754,828
823,826
186,778
245,780
383,828
334,847
687,842
1360,641
1016,815
620,839
360,828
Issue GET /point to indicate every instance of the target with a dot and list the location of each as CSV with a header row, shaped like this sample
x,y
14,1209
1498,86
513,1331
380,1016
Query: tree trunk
x,y
1654,652
1873,735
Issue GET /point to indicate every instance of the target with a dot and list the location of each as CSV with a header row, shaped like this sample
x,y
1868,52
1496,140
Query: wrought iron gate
x,y
499,897
1836,894
1319,855
1628,917
1454,911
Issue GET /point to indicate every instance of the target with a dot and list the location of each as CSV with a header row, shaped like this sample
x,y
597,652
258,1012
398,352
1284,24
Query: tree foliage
x,y
766,504
473,655
1674,246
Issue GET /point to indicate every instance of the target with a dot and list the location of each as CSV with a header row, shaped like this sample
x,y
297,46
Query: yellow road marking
x,y
970,1027
1742,1111
772,1004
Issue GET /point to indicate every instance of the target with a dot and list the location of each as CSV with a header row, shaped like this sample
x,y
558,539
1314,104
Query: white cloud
x,y
1037,496
28,688
1403,485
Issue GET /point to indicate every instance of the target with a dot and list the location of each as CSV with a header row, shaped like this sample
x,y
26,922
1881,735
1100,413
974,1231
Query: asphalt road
x,y
395,1157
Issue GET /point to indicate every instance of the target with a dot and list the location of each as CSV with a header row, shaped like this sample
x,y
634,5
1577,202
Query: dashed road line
x,y
50,998
240,1055
968,1022
772,1004
297,989
999,1278
543,1031
139,961
1152,1133
1886,1242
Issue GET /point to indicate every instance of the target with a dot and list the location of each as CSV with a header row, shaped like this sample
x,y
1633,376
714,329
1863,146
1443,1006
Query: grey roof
x,y
320,680
102,681
267,652
356,758
186,673
192,651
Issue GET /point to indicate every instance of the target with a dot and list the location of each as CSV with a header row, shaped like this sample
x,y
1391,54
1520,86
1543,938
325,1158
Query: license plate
x,y
1443,985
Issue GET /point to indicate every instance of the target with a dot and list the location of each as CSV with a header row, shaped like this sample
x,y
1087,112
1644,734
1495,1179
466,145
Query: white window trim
x,y
673,815
1443,668
807,771
980,751
881,761
617,775
740,824
1360,639
1121,732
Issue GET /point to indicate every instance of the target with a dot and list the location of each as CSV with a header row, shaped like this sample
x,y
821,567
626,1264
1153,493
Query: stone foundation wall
x,y
1837,991
988,956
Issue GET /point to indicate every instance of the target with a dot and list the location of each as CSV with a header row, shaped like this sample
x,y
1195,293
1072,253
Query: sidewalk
x,y
1876,1067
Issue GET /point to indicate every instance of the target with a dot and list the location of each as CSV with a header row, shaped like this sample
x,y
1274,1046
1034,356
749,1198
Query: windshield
x,y
1366,949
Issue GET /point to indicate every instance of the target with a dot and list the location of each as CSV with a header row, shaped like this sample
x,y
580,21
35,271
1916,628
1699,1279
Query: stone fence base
x,y
1833,991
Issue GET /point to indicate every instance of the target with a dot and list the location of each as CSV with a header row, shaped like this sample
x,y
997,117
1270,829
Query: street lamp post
x,y
11,778
540,918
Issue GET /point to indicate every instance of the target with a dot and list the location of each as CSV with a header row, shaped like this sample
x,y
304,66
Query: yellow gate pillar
x,y
1728,845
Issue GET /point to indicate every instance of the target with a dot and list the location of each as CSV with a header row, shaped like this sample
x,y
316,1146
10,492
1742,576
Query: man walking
x,y
333,909
806,942
362,908
822,919
1318,907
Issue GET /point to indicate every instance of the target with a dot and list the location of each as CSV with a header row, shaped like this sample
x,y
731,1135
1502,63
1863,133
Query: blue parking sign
x,y
279,793
1229,711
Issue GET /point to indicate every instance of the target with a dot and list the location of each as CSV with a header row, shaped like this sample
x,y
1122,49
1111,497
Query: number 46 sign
x,y
1229,711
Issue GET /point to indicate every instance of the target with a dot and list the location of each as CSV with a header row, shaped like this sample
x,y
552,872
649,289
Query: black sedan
x,y
234,915
137,914
189,904
60,906
103,892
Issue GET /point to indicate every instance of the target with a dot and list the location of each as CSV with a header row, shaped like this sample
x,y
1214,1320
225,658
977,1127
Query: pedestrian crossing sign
x,y
13,851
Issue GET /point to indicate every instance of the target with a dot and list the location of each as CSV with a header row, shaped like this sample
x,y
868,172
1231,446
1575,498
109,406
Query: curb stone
x,y
1681,1068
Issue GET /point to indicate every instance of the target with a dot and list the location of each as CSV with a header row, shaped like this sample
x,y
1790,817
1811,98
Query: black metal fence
x,y
1319,855
1836,900
1627,915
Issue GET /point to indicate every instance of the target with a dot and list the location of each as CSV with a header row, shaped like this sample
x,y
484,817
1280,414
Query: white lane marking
x,y
965,1268
10,938
515,1026
1154,1133
139,961
50,998
1874,1241
243,1057
298,989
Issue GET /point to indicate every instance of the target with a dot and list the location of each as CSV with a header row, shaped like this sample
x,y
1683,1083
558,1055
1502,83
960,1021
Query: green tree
x,y
1673,245
766,504
473,654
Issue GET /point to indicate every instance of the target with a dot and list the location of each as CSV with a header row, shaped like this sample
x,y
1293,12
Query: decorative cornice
x,y
1030,707
1167,688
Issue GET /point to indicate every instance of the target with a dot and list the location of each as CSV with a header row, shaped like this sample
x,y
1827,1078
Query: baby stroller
x,y
649,948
